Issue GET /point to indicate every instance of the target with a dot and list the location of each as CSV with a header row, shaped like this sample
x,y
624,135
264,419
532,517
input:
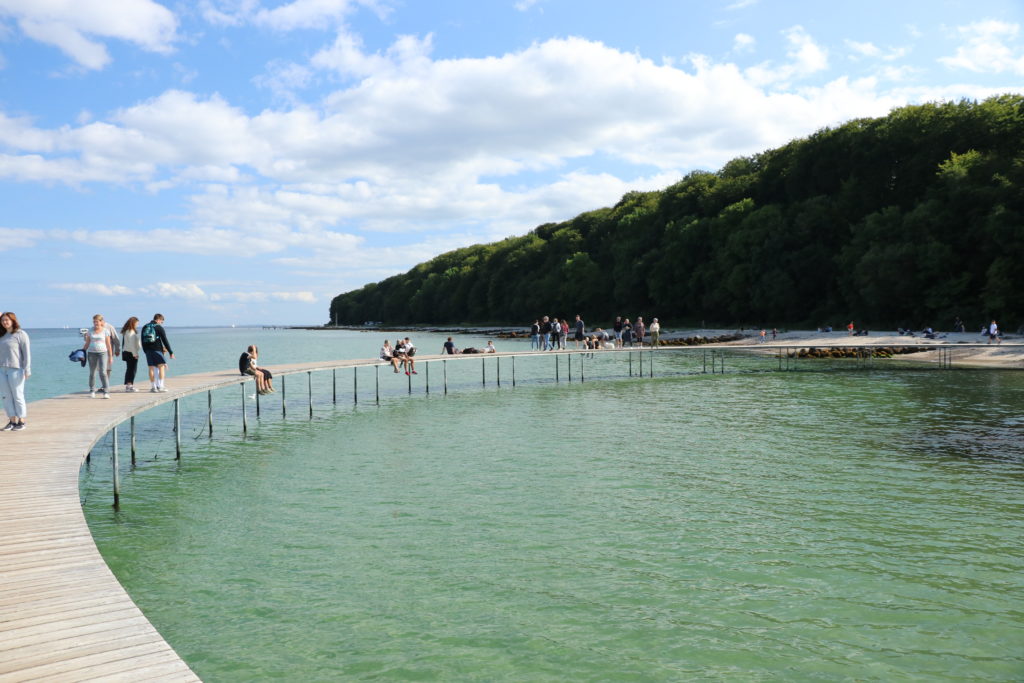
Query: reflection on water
x,y
763,526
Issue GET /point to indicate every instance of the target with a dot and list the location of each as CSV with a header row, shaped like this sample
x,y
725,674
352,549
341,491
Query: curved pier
x,y
63,614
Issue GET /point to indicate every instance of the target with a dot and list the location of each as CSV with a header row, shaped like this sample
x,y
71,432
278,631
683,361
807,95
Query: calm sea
x,y
842,522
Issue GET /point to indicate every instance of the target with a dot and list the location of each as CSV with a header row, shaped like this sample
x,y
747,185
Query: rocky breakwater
x,y
856,352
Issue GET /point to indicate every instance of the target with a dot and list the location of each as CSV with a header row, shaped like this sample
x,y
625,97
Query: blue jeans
x,y
12,386
534,341
547,341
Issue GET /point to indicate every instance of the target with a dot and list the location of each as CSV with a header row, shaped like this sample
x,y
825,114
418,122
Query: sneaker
x,y
106,395
407,372
9,427
153,390
415,373
18,427
162,390
92,394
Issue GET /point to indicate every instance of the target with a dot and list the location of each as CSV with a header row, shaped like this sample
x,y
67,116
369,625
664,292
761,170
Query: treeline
x,y
906,220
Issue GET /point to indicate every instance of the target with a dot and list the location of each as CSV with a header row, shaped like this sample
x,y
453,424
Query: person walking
x,y
15,368
655,332
130,348
100,353
155,344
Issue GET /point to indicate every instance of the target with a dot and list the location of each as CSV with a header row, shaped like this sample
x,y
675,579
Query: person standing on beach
x,y
580,331
155,344
15,368
130,347
655,332
99,351
993,333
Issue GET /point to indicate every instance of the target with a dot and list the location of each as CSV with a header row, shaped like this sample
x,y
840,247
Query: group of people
x,y
247,365
102,344
400,355
547,334
449,348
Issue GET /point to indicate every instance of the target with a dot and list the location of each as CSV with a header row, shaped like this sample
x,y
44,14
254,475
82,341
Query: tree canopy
x,y
904,220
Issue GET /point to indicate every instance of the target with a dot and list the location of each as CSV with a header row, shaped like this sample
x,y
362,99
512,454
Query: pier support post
x,y
309,385
630,363
376,382
513,372
132,423
408,375
177,430
245,418
334,386
258,399
582,378
426,370
483,370
498,361
209,413
355,385
284,407
444,367
117,470
569,361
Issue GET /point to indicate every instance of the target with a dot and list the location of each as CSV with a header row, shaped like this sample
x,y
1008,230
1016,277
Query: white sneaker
x,y
92,394
162,390
153,390
106,395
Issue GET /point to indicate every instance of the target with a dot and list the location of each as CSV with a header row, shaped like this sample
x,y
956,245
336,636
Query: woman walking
x,y
15,368
100,354
130,347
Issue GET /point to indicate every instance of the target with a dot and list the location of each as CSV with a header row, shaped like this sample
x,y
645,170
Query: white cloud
x,y
806,57
990,46
864,49
95,288
19,238
78,27
743,42
741,4
524,5
289,16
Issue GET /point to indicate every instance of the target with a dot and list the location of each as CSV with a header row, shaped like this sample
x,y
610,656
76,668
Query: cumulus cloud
x,y
989,46
298,14
743,42
806,57
19,238
78,27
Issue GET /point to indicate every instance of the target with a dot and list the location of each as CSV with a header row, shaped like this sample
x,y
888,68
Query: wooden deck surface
x,y
63,614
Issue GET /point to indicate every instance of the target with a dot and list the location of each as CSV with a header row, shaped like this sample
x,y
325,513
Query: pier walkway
x,y
63,614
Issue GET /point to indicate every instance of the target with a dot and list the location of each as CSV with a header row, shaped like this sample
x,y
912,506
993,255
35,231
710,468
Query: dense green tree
x,y
908,219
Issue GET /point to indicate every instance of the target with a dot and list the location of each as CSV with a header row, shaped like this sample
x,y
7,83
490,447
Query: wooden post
x,y
245,419
132,422
117,470
177,431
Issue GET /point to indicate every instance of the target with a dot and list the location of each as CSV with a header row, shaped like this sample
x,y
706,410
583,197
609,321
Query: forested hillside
x,y
905,220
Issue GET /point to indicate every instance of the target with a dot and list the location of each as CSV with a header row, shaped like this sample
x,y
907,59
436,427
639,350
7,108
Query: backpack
x,y
149,333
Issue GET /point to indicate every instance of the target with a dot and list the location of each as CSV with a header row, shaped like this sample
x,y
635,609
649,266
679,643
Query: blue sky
x,y
243,161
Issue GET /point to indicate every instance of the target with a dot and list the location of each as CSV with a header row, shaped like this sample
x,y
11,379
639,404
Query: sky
x,y
244,161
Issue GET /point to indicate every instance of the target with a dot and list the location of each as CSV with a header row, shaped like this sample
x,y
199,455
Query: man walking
x,y
155,344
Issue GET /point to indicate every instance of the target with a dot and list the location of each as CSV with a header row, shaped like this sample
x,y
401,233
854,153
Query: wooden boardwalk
x,y
63,614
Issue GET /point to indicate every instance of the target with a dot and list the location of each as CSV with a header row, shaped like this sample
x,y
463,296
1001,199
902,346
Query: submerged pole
x,y
117,469
177,431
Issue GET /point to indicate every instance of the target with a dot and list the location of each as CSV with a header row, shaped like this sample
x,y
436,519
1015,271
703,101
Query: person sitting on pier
x,y
247,366
490,347
387,354
406,351
449,348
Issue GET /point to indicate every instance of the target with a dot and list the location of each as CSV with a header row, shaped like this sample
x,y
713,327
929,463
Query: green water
x,y
772,526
